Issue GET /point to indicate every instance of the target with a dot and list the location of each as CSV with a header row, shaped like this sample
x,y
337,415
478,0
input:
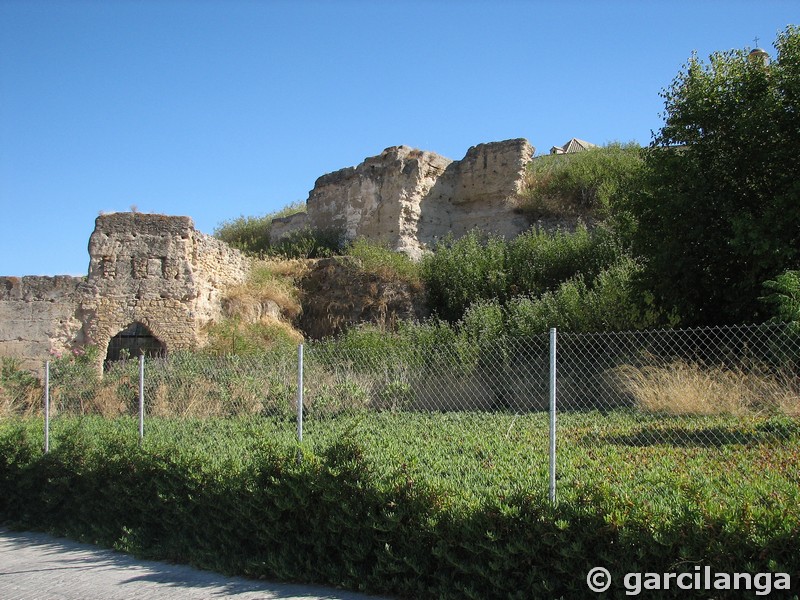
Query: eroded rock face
x,y
39,315
485,182
408,198
380,199
338,293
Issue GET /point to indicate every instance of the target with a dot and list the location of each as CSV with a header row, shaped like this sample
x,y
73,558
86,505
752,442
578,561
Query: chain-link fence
x,y
706,402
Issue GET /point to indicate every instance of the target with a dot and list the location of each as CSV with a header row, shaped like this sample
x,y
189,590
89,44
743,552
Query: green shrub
x,y
784,297
484,321
538,261
408,341
588,183
251,234
389,264
475,268
609,302
413,505
460,272
310,243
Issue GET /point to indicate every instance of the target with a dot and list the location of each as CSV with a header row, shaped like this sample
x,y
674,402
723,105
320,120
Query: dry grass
x,y
270,282
107,402
682,388
192,397
20,403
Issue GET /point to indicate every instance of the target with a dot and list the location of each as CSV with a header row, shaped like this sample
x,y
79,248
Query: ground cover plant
x,y
448,505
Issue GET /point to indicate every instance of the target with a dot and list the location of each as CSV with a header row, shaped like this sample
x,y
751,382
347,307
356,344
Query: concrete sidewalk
x,y
41,567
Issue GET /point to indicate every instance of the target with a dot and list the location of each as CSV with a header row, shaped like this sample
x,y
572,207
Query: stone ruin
x,y
155,282
408,198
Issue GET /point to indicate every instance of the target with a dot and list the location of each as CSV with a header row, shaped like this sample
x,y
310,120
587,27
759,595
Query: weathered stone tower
x,y
154,281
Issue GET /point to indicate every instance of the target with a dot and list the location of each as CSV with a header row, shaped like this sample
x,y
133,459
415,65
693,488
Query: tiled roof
x,y
574,145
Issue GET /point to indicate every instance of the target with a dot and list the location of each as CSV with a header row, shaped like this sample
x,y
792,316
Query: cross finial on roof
x,y
756,40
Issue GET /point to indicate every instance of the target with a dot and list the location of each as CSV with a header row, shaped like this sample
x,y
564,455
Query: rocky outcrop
x,y
408,198
485,183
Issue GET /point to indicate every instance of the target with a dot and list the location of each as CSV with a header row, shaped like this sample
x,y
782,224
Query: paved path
x,y
35,566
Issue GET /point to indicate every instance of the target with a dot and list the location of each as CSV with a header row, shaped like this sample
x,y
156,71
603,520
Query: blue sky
x,y
235,107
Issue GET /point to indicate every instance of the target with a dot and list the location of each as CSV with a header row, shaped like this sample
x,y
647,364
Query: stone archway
x,y
132,341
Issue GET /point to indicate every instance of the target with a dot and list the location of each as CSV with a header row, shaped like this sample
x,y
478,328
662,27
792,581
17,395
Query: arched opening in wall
x,y
132,341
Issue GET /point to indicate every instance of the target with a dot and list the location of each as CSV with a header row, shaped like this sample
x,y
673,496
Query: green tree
x,y
784,297
718,211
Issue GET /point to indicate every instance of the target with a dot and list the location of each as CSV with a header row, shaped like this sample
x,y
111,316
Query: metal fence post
x,y
553,336
141,398
47,407
300,393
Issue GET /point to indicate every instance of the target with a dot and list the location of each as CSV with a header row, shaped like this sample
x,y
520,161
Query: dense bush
x,y
783,297
403,511
539,261
310,243
460,272
609,302
379,259
555,265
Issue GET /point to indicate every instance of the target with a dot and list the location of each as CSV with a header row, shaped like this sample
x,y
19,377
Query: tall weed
x,y
589,183
251,234
20,390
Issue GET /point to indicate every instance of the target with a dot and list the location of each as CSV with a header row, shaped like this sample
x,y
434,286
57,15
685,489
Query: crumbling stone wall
x,y
39,314
160,271
156,270
409,198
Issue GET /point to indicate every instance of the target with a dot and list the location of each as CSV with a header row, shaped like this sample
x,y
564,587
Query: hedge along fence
x,y
346,517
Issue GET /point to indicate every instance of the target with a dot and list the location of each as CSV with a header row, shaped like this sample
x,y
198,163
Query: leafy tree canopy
x,y
718,212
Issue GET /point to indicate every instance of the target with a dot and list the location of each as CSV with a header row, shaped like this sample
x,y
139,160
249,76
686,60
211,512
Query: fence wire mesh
x,y
668,415
718,403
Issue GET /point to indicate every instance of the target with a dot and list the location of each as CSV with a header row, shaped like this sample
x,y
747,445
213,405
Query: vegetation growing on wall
x,y
258,314
587,184
251,234
310,243
378,259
